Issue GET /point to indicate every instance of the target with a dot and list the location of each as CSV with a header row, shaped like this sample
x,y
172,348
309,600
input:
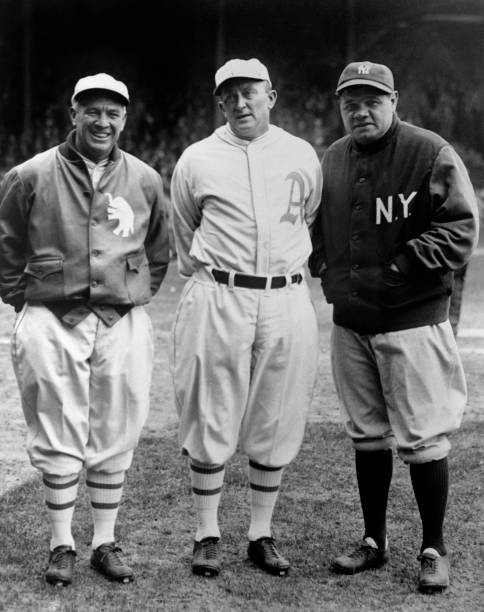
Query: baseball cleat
x,y
205,557
366,556
107,560
263,552
61,565
434,571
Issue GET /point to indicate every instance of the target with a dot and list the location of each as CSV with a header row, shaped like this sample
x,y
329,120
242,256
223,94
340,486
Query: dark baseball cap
x,y
366,73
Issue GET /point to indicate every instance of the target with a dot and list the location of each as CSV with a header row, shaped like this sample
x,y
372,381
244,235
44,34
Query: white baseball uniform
x,y
244,359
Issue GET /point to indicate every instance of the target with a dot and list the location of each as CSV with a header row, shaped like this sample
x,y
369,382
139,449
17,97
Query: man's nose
x,y
362,111
240,101
102,119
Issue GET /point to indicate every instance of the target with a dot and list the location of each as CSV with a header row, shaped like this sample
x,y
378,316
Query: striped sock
x,y
207,481
60,498
264,488
105,492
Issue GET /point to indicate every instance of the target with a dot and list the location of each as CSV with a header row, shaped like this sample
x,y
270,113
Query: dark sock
x,y
374,474
430,483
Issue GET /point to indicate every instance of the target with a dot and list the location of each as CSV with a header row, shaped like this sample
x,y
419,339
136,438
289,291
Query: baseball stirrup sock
x,y
207,481
60,498
264,488
374,474
430,483
105,492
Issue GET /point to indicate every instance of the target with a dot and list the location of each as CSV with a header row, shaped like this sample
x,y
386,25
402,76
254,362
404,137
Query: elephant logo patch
x,y
119,210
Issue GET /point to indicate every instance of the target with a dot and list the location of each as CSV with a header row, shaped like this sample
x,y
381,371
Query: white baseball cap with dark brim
x,y
366,73
102,82
241,69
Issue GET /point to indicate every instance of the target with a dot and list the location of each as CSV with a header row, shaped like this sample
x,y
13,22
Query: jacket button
x,y
362,179
355,236
354,293
355,266
94,283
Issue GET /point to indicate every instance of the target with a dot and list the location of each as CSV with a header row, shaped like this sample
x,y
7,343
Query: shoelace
x,y
270,548
365,550
61,558
209,548
114,555
428,563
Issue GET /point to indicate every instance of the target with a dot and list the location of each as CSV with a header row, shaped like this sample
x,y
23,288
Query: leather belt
x,y
254,282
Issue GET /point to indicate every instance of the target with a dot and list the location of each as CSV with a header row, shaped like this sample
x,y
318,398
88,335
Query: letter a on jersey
x,y
296,199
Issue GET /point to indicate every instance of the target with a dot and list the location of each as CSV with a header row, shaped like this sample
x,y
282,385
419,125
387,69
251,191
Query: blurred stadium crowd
x,y
158,135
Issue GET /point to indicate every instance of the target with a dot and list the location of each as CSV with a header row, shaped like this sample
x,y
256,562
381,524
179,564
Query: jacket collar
x,y
68,149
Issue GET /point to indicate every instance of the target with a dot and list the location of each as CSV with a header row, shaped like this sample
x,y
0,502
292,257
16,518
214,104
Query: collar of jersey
x,y
225,133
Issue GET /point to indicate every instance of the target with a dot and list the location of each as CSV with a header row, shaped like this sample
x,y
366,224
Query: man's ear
x,y
272,98
72,113
221,107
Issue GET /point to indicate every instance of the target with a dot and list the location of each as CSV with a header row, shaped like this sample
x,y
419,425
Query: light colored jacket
x,y
61,239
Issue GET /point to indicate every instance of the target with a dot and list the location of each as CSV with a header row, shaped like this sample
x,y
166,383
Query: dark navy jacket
x,y
405,199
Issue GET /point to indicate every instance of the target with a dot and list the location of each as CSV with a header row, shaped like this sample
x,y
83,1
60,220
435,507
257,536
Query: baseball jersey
x,y
258,199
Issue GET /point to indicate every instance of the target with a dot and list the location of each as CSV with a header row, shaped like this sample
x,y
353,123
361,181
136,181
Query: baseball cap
x,y
366,73
239,68
101,81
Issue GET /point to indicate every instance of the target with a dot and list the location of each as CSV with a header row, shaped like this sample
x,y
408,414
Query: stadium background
x,y
167,52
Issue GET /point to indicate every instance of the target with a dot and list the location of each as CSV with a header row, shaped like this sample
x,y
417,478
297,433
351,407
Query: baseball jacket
x,y
62,241
406,199
245,205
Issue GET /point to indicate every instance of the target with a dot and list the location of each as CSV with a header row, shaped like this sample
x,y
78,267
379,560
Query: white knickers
x,y
405,387
85,390
244,363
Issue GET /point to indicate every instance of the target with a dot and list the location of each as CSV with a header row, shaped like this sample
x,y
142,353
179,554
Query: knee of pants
x,y
433,451
56,463
374,444
106,462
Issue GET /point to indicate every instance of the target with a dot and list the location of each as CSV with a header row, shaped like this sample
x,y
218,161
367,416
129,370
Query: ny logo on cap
x,y
364,69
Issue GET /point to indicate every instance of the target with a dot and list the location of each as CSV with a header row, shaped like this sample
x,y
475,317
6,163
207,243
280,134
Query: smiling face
x,y
367,112
99,120
246,104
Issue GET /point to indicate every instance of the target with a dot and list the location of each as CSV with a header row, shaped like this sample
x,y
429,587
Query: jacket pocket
x,y
138,277
399,290
45,278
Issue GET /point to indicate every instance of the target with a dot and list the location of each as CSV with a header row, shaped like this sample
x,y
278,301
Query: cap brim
x,y
110,92
217,89
367,82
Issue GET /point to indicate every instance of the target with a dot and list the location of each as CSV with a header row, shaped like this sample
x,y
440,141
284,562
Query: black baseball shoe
x,y
366,556
205,560
61,566
263,552
108,560
434,571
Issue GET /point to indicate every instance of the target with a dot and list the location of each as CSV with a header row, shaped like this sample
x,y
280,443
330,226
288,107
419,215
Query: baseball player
x,y
398,215
244,346
83,245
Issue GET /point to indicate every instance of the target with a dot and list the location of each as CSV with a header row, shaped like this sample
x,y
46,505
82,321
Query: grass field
x,y
317,515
